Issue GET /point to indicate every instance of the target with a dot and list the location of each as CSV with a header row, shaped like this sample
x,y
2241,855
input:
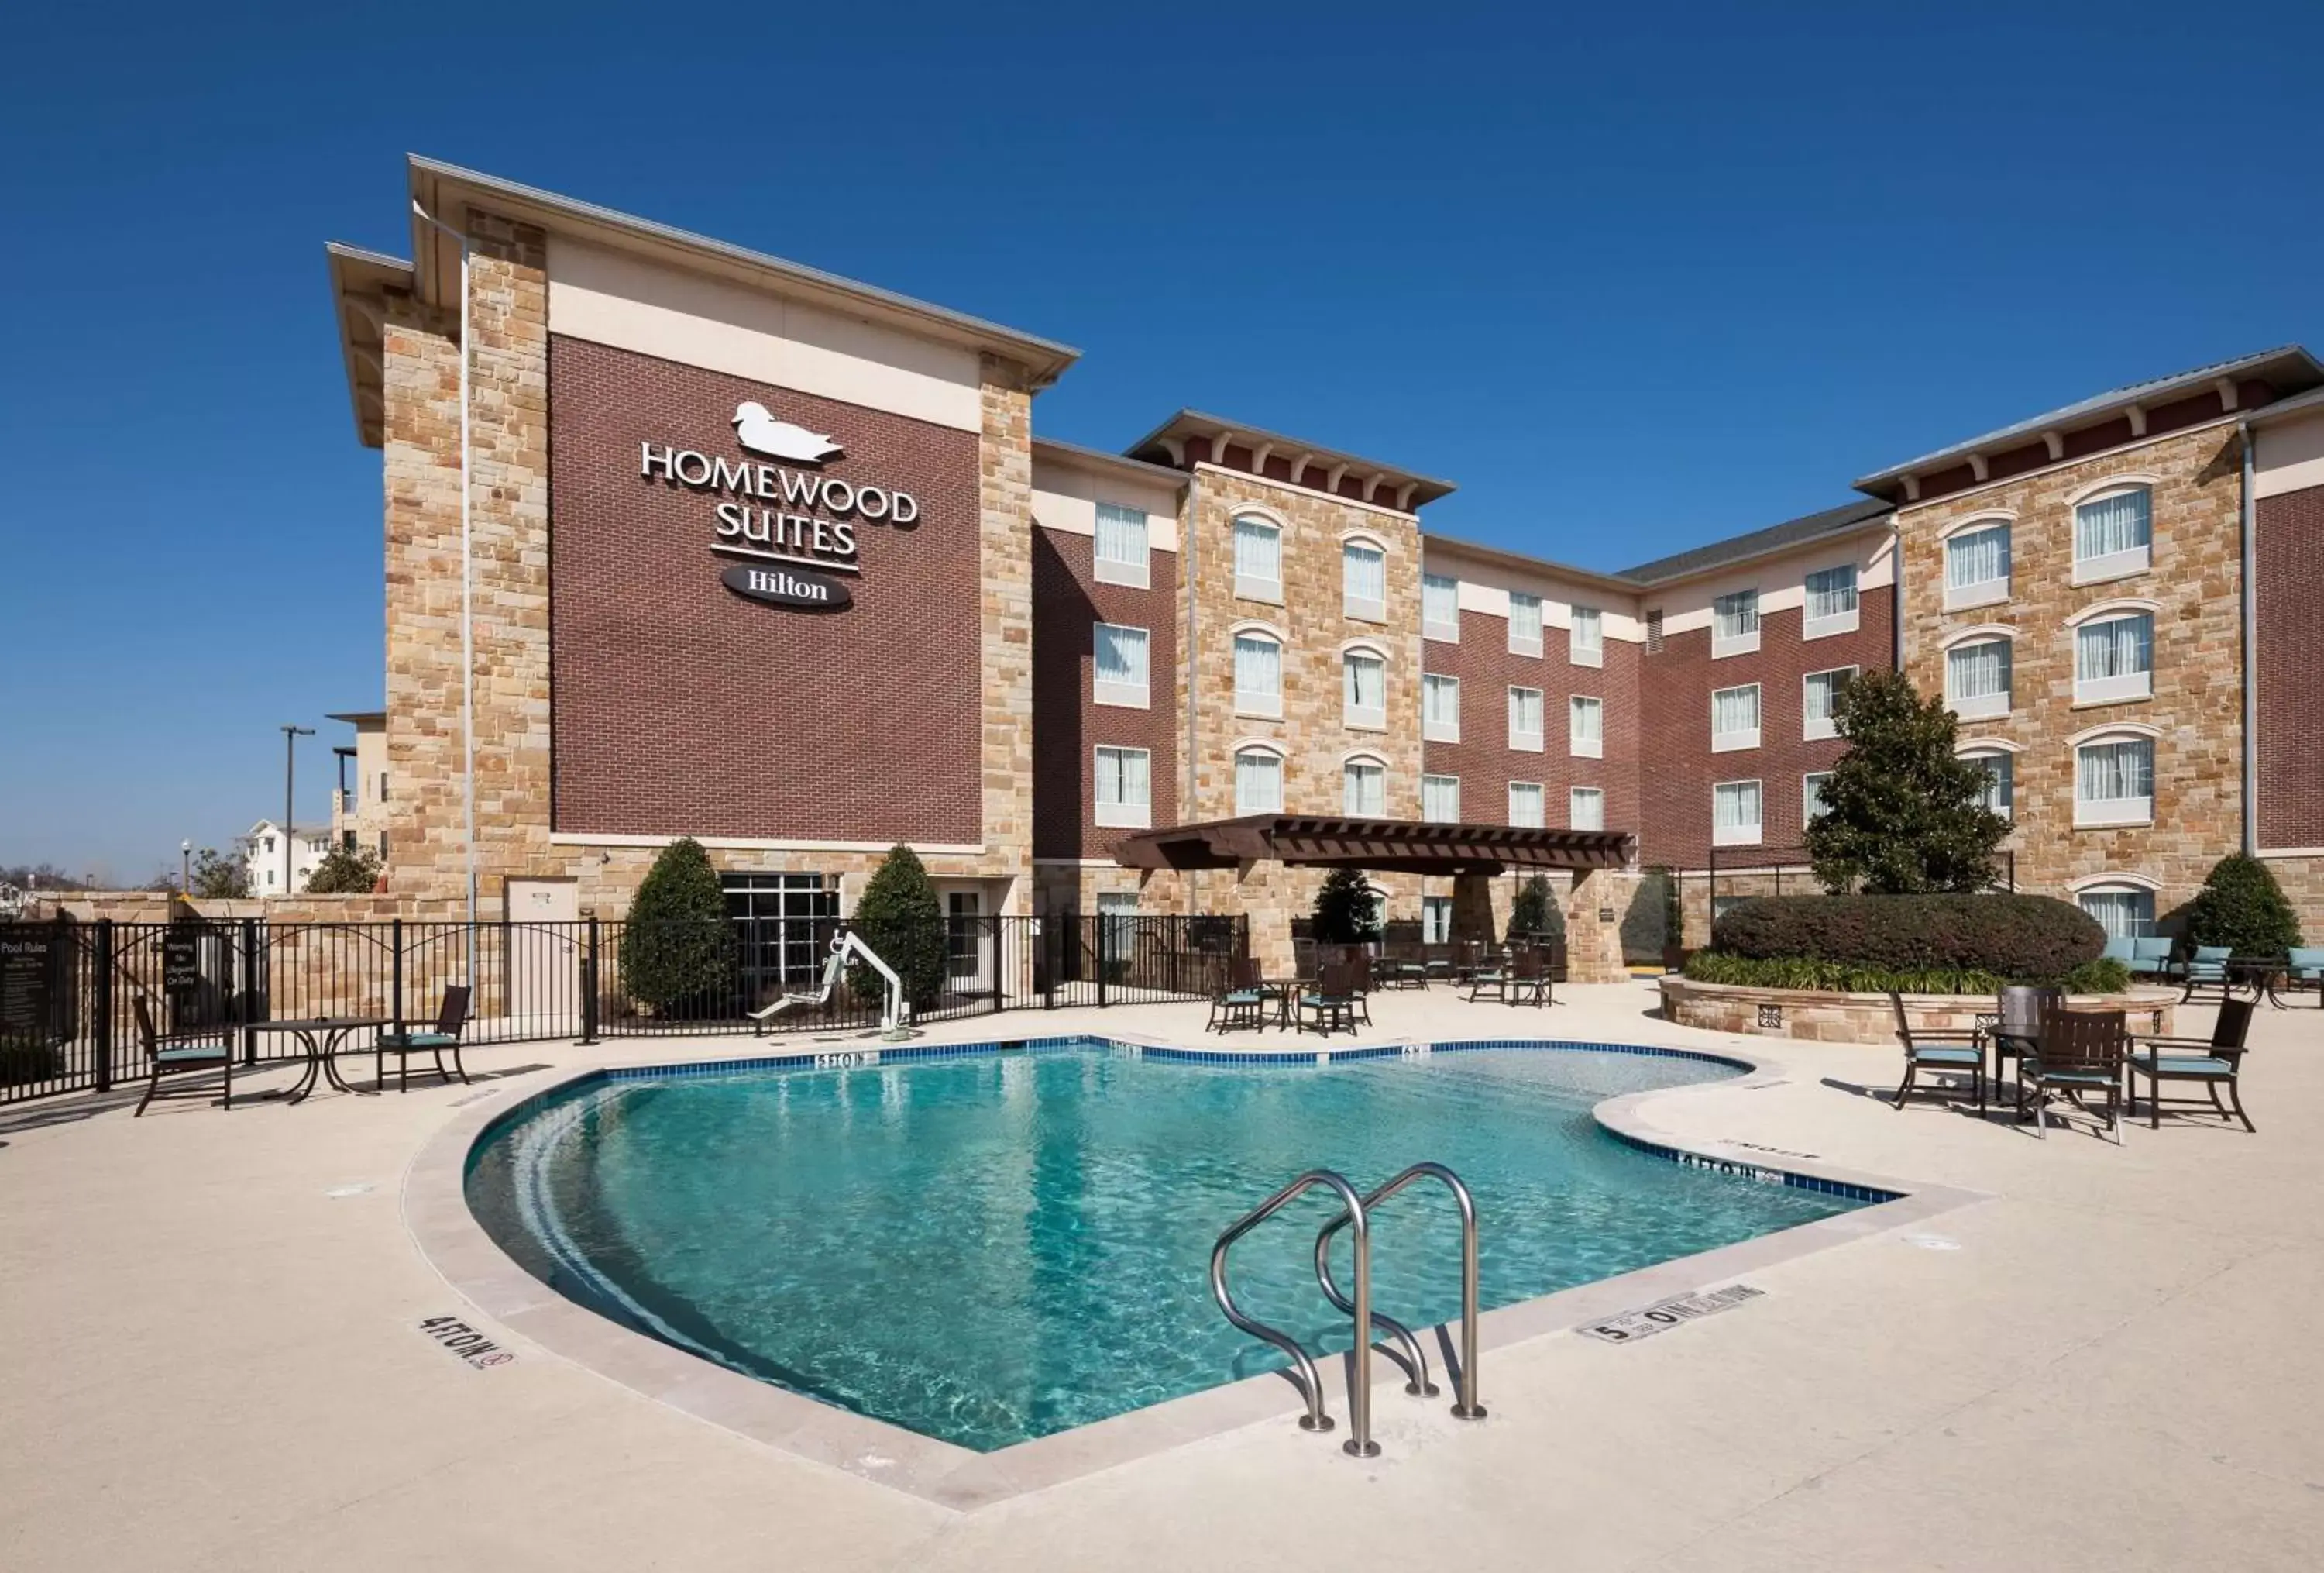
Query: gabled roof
x,y
1392,480
1845,520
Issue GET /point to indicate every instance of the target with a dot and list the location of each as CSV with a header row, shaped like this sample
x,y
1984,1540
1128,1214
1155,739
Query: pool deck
x,y
2107,1358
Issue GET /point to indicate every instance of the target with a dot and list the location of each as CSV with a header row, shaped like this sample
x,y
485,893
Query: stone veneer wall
x,y
1868,1017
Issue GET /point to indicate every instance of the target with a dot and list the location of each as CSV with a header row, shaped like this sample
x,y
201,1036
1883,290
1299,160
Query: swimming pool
x,y
987,1247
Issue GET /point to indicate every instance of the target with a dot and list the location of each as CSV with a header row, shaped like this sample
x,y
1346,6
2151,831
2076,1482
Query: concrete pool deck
x,y
214,1360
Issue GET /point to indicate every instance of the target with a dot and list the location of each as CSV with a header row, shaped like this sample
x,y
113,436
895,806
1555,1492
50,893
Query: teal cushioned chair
x,y
2150,957
2306,970
2207,968
2214,1063
177,1053
1951,1052
2121,948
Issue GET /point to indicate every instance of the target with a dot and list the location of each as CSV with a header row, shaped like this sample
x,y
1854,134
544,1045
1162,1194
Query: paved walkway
x,y
212,1361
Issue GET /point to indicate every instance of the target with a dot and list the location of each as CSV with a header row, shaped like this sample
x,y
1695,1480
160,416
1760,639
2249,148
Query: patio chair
x,y
177,1053
1529,981
2078,1053
1468,955
2150,956
2018,1025
1487,974
1943,1051
1331,1005
1405,964
451,1018
1240,1002
2304,971
2215,1064
1359,985
2207,968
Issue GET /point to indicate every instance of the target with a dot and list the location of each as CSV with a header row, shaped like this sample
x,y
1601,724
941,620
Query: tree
x,y
1533,912
677,954
2242,907
345,871
223,876
900,917
1902,814
1346,910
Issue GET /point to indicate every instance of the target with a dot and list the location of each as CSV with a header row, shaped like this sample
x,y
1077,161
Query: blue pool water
x,y
991,1248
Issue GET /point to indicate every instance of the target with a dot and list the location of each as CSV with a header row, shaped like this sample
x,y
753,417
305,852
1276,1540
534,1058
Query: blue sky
x,y
1633,277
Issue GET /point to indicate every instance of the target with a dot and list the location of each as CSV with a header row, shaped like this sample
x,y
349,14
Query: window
x,y
1977,566
1585,809
2000,780
1363,787
1258,675
1259,782
1818,696
1525,720
1436,920
2114,659
2113,534
1124,795
347,840
1735,813
382,844
2114,781
1117,911
1832,603
1735,624
382,786
1585,727
1976,679
1524,623
269,844
1735,718
1440,709
1812,795
1363,581
1585,638
1526,804
1364,690
1655,632
1440,609
1258,560
1119,557
1723,905
1121,671
783,923
1440,799
2124,911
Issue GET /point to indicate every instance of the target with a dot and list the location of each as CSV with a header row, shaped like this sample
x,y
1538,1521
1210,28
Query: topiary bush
x,y
2016,937
2104,976
1534,911
1346,910
678,952
900,917
2242,907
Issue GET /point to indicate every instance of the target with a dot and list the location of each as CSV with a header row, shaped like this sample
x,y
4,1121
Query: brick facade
x,y
2288,578
1068,724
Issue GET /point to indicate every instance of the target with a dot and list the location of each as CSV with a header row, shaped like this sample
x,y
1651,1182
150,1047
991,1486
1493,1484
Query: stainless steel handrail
x,y
1464,1403
1359,1443
1407,1352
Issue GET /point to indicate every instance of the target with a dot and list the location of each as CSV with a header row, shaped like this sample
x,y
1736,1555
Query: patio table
x,y
1285,990
320,1037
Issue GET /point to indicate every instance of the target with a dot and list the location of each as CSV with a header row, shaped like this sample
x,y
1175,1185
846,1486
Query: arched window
x,y
1257,558
2000,767
1976,673
1363,684
1363,787
2114,777
1258,672
1363,578
2123,904
1258,780
2113,653
1977,564
2114,530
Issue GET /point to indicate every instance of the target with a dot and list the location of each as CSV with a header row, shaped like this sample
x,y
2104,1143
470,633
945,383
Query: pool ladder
x,y
1355,1216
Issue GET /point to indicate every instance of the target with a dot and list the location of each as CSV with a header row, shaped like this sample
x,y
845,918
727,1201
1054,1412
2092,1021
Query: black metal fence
x,y
1777,871
69,991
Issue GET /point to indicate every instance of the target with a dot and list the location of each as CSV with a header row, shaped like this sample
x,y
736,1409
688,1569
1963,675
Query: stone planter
x,y
1870,1018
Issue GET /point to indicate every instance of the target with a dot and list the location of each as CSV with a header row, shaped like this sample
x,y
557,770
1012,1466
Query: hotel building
x,y
775,560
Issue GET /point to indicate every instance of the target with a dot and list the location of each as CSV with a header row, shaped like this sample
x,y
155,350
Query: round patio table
x,y
320,1037
1285,990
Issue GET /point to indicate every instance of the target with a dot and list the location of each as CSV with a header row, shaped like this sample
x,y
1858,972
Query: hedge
x,y
2104,976
2016,937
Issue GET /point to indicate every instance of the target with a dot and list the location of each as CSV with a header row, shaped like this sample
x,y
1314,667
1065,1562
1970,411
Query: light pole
x,y
186,870
291,735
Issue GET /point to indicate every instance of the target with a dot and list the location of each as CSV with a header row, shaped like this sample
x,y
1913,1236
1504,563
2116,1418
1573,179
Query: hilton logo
x,y
783,587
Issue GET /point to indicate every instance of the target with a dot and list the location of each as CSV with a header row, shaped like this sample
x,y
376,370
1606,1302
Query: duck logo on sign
x,y
761,434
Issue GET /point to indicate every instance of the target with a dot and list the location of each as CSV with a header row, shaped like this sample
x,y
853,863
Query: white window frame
x,y
2111,565
2129,687
1435,627
1981,592
1540,820
1738,834
1363,718
1574,796
1122,571
1137,696
1832,623
1440,781
1436,920
2007,809
1811,728
1122,813
1349,767
1525,742
2118,886
1742,642
1258,751
1523,644
1363,608
1810,795
1266,707
1740,737
1248,587
1577,746
1578,653
1981,706
1432,730
2107,813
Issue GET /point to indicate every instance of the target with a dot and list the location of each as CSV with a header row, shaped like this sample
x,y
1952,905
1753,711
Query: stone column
x,y
1593,925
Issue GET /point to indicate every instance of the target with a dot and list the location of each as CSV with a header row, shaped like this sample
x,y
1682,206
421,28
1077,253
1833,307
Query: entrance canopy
x,y
1378,846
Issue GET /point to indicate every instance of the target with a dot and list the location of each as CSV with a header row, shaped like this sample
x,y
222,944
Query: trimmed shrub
x,y
1902,814
1346,910
2242,907
2105,976
345,871
677,953
2016,937
901,919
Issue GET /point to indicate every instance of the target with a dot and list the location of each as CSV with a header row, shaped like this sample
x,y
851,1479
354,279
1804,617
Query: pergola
x,y
1377,846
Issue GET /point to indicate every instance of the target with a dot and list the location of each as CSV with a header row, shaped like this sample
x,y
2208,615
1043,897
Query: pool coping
x,y
452,1240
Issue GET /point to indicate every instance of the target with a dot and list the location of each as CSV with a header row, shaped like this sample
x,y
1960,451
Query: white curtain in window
x,y
2105,525
1977,558
1121,655
1367,682
1440,700
1120,534
1440,600
1585,809
1735,710
1586,717
1832,592
2000,780
1589,632
1258,667
1525,619
1978,671
1525,712
1812,795
1122,777
1364,572
1735,805
1436,919
1823,690
1258,550
1364,788
2114,647
1737,614
1525,804
1440,797
2123,914
2111,771
1259,783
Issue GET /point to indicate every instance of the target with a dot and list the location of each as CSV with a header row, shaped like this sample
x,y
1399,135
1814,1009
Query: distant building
x,y
308,847
359,808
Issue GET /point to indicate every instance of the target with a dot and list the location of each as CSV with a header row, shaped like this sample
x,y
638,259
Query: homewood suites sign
x,y
779,506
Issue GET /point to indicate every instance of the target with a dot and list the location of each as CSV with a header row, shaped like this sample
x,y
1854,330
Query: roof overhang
x,y
1523,562
360,280
1384,484
1378,846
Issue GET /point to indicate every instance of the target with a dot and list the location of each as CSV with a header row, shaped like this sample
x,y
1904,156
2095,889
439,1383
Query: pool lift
x,y
895,1016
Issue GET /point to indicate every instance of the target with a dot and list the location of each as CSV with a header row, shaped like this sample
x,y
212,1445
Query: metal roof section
x,y
1525,561
1075,452
1385,484
1845,520
2287,368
